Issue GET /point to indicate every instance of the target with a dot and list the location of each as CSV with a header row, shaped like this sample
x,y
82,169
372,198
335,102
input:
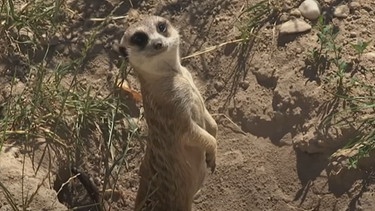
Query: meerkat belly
x,y
195,160
198,111
180,169
176,175
179,163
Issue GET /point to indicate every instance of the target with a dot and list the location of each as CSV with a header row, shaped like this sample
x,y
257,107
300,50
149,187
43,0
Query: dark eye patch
x,y
162,27
139,39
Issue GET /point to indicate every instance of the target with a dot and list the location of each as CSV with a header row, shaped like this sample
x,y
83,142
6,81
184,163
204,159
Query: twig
x,y
65,183
238,127
109,18
213,48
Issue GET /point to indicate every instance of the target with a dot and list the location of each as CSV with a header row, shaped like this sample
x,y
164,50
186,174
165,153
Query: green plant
x,y
25,28
332,52
360,48
58,110
255,16
353,103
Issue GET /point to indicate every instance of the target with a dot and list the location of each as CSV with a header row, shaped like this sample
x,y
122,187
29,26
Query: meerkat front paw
x,y
211,161
198,137
211,125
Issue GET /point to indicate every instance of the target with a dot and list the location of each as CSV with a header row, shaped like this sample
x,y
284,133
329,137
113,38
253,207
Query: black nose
x,y
158,45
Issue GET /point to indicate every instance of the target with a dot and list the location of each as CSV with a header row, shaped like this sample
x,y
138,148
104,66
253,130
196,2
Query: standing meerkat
x,y
181,132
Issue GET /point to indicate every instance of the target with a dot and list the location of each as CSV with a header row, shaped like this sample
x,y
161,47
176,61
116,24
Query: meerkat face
x,y
150,43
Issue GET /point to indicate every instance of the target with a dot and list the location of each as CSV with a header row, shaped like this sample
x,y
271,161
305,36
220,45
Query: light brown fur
x,y
181,132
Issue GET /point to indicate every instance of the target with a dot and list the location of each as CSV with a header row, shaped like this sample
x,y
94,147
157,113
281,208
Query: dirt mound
x,y
15,167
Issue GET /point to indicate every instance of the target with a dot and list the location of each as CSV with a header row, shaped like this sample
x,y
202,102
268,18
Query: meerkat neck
x,y
167,66
172,61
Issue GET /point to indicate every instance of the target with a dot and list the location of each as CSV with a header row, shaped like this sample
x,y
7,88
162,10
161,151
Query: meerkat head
x,y
152,46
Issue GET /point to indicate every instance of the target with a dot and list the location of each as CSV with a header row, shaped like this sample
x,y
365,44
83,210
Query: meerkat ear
x,y
120,49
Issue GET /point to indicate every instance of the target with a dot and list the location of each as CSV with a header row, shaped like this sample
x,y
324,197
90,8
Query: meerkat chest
x,y
197,104
172,99
187,75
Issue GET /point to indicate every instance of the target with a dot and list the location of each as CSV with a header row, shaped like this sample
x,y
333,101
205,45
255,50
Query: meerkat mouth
x,y
156,52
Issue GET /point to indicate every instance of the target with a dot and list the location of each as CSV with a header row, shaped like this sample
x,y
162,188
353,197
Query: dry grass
x,y
56,109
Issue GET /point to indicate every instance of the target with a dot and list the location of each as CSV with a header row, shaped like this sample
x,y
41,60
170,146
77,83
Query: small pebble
x,y
341,11
352,34
354,5
284,18
295,13
219,86
244,85
294,26
367,7
310,9
299,50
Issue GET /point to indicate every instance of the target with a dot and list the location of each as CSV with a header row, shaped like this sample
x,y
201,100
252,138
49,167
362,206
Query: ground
x,y
273,153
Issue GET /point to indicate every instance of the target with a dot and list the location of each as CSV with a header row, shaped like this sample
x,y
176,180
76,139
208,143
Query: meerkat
x,y
181,141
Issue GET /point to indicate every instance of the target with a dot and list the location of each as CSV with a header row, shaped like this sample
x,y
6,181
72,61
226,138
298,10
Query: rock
x,y
341,11
295,13
354,5
244,85
370,56
367,7
310,9
284,18
299,50
352,34
219,86
294,26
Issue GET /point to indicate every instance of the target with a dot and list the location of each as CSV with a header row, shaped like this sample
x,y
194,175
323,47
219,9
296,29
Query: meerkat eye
x,y
139,39
162,27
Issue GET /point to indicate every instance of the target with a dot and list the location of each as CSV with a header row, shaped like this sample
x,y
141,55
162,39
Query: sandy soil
x,y
272,155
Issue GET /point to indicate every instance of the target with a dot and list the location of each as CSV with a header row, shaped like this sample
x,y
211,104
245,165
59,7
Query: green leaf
x,y
360,46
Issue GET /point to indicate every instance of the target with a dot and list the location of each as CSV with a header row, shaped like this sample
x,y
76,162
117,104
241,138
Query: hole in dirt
x,y
266,77
267,82
342,183
342,178
72,192
15,66
309,167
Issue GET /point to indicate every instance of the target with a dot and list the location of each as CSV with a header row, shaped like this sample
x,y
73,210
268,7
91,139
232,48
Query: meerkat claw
x,y
211,162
